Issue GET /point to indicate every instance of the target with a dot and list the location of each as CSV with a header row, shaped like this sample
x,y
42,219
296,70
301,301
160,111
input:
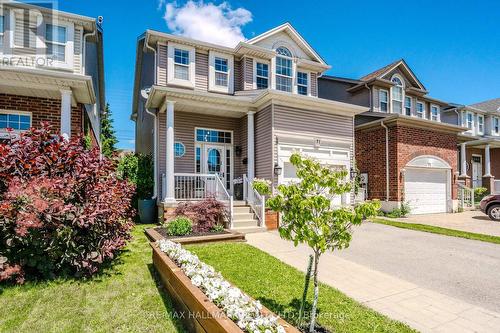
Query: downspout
x,y
146,43
386,160
88,34
155,147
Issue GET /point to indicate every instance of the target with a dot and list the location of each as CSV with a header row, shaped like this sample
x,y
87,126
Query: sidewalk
x,y
422,309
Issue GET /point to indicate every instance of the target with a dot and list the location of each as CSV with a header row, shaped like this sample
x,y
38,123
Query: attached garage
x,y
427,185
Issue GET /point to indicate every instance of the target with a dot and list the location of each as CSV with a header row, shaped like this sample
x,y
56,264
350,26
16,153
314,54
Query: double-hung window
x,y
56,38
397,95
262,75
221,72
420,110
408,106
496,126
181,64
480,124
284,69
434,112
469,120
383,100
2,31
15,121
302,83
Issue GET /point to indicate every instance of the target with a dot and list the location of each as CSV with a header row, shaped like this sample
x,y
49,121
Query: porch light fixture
x,y
237,151
354,173
277,170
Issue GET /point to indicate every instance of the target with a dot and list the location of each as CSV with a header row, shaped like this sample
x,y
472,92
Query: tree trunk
x,y
306,287
316,293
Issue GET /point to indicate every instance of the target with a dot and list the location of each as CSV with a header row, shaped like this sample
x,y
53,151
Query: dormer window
x,y
262,75
397,95
302,83
383,96
284,76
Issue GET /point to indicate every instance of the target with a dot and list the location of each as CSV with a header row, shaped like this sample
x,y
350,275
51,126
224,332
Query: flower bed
x,y
210,299
154,234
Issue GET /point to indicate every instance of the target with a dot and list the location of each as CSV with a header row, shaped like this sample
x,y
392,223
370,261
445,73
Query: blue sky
x,y
452,46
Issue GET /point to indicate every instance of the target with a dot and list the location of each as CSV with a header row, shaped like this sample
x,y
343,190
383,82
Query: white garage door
x,y
426,190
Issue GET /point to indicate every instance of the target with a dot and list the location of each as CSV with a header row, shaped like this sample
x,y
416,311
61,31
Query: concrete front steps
x,y
244,219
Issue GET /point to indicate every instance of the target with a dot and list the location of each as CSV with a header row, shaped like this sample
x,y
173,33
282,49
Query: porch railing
x,y
255,200
194,186
496,187
465,196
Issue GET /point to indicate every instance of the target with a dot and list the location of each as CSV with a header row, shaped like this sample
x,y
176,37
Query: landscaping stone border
x,y
231,236
195,310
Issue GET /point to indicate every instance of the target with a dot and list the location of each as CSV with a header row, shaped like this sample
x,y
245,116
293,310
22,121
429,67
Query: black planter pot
x,y
147,210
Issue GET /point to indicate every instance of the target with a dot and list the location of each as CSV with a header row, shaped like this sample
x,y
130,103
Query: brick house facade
x,y
408,140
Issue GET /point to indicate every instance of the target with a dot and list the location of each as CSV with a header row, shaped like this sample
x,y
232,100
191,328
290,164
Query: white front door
x,y
477,171
217,159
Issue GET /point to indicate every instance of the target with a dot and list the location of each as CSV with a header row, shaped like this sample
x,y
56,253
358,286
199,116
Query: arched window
x,y
284,73
397,95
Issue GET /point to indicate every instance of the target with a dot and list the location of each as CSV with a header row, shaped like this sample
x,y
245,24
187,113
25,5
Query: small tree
x,y
308,215
108,135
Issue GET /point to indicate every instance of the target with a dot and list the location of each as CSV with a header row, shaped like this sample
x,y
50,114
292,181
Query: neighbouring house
x,y
51,70
215,117
405,153
479,144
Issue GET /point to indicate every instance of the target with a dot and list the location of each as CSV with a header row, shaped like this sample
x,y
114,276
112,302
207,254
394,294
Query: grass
x,y
439,230
124,298
279,288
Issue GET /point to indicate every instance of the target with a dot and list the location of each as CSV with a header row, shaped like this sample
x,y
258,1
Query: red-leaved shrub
x,y
62,209
205,214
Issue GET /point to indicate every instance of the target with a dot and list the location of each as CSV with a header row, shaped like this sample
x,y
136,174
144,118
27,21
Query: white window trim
x,y
4,32
293,73
380,100
493,131
423,110
255,61
211,72
472,129
478,130
171,80
411,105
308,81
4,134
41,44
183,147
402,94
438,112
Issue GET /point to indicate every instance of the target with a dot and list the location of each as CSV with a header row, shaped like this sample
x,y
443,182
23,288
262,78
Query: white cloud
x,y
218,24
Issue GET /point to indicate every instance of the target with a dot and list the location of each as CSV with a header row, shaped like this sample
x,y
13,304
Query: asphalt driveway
x,y
471,221
465,269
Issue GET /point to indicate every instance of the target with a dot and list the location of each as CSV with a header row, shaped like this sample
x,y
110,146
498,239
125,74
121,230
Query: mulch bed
x,y
163,232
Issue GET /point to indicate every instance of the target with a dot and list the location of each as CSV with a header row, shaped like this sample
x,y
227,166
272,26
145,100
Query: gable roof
x,y
492,105
379,73
288,28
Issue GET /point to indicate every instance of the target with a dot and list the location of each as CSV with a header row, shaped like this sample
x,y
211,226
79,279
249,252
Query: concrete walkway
x,y
421,308
471,221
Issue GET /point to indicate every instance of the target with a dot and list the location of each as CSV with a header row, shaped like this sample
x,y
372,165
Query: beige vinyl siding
x,y
376,106
247,73
294,120
314,84
201,72
264,143
239,167
77,59
25,43
162,152
238,76
162,54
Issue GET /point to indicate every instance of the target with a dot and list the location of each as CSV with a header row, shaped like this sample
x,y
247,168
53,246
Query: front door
x,y
477,171
217,159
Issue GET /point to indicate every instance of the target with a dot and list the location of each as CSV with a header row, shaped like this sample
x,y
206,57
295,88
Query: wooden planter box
x,y
196,311
231,236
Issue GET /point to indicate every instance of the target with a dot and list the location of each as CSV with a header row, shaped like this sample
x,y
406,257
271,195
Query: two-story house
x,y
51,70
214,115
404,152
480,143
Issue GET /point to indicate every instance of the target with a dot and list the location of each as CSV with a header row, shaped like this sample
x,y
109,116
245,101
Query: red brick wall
x,y
495,162
405,143
43,109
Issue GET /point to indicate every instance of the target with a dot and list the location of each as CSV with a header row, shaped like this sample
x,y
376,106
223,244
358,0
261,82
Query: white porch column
x,y
169,173
250,151
66,113
487,166
463,160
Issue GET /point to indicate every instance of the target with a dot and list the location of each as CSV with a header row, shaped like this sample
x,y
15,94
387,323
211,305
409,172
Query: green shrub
x,y
262,186
180,226
217,228
405,209
145,176
395,213
479,193
127,168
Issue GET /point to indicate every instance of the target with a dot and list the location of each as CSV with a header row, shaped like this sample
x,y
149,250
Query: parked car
x,y
490,205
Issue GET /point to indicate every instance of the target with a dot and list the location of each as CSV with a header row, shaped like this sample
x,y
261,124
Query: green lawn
x,y
123,299
439,230
279,287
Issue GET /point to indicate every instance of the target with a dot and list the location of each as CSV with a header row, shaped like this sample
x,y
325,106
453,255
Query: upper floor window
x,y
283,51
397,95
14,120
302,83
284,74
383,100
469,120
496,125
434,112
221,70
55,40
2,30
262,75
408,106
220,73
480,124
420,110
181,64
